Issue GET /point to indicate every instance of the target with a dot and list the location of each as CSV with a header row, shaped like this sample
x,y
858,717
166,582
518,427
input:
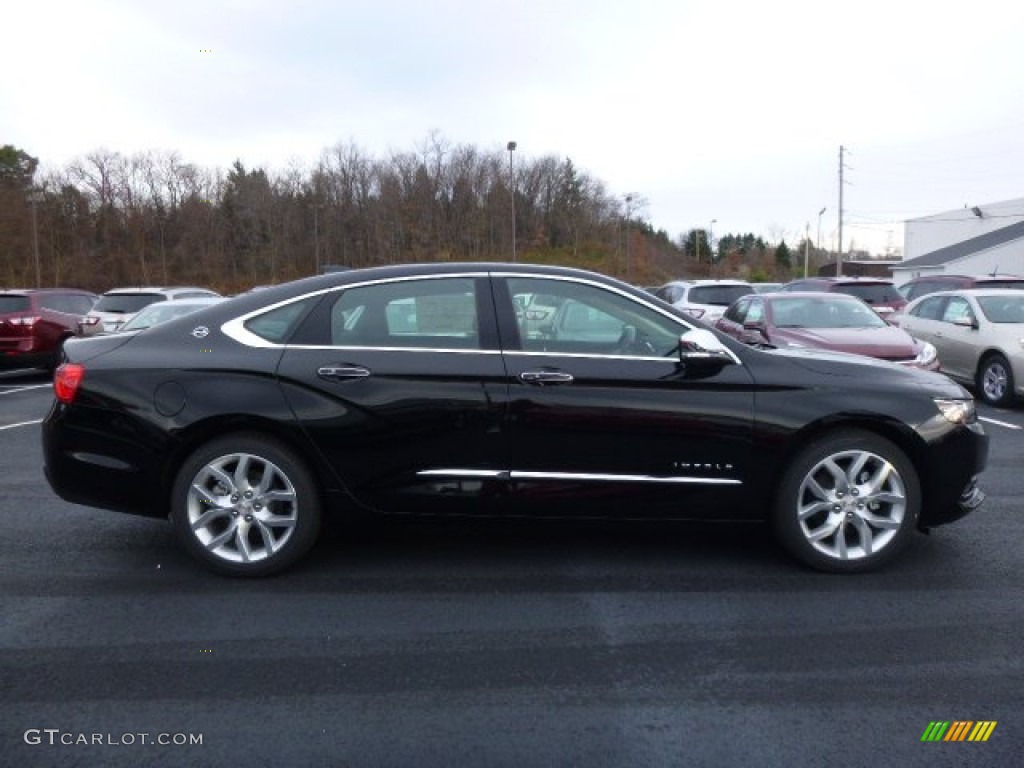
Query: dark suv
x,y
921,286
35,322
878,292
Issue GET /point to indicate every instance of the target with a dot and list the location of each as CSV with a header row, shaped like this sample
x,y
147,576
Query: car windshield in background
x,y
872,293
718,295
14,304
800,312
155,314
1003,309
126,303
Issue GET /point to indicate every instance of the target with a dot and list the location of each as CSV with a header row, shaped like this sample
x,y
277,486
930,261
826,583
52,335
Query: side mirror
x,y
966,322
702,354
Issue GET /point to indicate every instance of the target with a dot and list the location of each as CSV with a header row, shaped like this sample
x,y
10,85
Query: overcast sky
x,y
718,109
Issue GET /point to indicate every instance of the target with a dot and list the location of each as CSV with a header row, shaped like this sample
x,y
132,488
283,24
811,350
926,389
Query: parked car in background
x,y
34,323
879,293
979,335
703,299
118,306
162,311
766,287
832,321
413,390
917,287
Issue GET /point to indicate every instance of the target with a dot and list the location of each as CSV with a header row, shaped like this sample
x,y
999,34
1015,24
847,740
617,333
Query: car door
x,y
603,418
959,342
401,386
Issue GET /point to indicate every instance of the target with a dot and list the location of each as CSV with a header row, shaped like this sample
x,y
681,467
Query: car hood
x,y
842,364
889,343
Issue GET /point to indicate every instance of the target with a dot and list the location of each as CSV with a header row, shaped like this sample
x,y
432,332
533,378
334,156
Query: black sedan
x,y
425,389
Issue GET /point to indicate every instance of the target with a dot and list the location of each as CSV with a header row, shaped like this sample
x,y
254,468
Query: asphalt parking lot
x,y
519,644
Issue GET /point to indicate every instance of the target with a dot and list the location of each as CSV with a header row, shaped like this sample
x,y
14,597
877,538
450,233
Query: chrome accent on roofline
x,y
235,328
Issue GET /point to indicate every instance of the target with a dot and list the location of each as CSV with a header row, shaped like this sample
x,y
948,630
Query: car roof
x,y
32,291
694,282
155,289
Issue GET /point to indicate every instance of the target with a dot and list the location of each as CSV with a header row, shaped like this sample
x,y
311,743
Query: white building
x,y
965,241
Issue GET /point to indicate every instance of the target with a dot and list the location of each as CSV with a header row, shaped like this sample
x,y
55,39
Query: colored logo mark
x,y
959,730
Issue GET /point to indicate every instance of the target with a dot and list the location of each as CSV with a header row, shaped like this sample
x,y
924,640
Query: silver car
x,y
117,307
979,335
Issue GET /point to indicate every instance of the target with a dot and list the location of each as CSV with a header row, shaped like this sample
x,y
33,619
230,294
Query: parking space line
x,y
25,388
1006,424
20,424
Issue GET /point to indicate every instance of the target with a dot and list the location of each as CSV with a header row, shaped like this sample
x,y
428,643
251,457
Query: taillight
x,y
66,380
26,320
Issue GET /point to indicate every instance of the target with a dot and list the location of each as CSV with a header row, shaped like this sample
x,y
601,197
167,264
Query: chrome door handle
x,y
342,372
545,377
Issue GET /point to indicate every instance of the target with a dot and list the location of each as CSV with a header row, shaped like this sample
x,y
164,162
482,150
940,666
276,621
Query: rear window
x,y
872,293
1018,284
277,324
718,295
126,303
10,304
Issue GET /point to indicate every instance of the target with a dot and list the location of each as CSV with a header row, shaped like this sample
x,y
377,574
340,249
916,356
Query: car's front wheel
x,y
245,505
995,380
848,502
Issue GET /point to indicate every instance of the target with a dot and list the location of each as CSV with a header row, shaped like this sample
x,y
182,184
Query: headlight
x,y
927,355
957,411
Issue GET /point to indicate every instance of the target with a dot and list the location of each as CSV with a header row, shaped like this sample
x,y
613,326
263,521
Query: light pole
x,y
711,240
316,234
35,237
819,231
512,183
629,199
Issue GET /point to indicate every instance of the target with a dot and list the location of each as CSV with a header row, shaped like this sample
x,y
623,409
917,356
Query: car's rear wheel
x,y
995,380
245,505
848,502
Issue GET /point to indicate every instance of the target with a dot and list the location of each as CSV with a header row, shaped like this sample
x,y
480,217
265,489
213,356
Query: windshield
x,y
803,312
126,303
159,313
718,295
872,293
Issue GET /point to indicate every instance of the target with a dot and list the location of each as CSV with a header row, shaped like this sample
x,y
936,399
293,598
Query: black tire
x,y
260,510
828,522
994,381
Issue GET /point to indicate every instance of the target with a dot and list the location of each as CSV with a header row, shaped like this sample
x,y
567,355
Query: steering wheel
x,y
631,342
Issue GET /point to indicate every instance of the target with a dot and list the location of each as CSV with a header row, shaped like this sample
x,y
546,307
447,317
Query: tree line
x,y
110,219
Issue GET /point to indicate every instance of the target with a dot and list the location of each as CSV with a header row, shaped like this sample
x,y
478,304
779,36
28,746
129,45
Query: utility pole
x,y
839,254
807,246
629,199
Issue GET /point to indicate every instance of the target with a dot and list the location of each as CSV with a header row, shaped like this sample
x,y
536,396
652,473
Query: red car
x,y
879,292
832,321
35,322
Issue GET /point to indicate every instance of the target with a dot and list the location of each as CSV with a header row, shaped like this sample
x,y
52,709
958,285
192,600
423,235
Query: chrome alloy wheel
x,y
851,504
241,508
994,381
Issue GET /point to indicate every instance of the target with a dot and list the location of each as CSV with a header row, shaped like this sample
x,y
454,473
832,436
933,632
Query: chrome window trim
x,y
451,350
516,474
235,328
596,284
584,356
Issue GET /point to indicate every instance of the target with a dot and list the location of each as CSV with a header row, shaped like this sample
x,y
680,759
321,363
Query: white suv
x,y
703,299
117,307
